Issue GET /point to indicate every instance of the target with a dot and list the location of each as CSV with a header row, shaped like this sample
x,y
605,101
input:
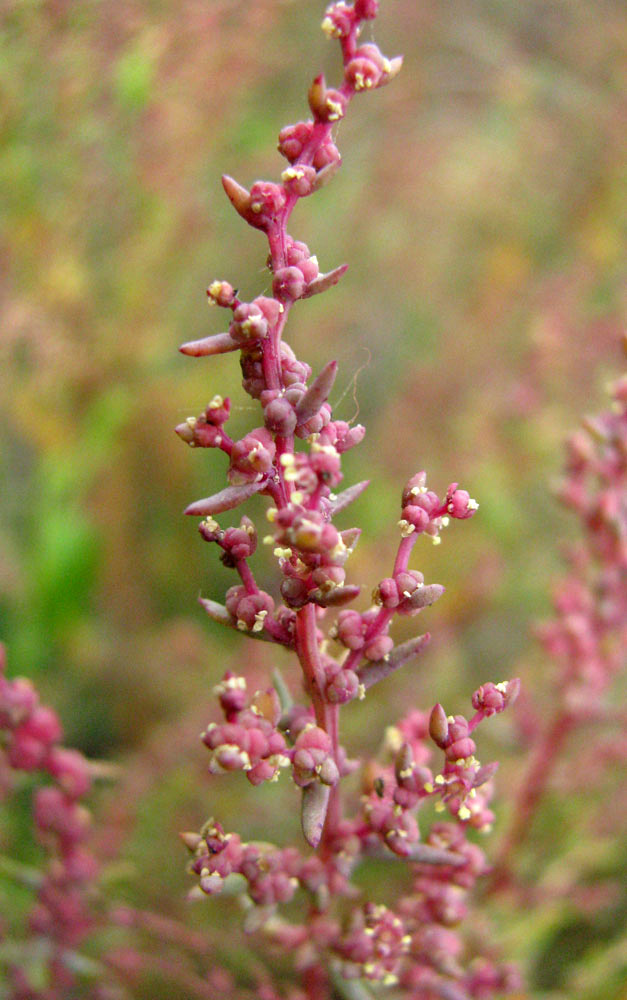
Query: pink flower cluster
x,y
588,635
293,458
30,742
415,942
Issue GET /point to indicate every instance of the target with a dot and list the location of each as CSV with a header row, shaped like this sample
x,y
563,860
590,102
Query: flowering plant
x,y
414,808
339,934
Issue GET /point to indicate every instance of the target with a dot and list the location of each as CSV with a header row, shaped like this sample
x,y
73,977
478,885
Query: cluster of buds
x,y
463,783
462,786
352,631
423,511
272,874
373,945
252,739
312,758
218,854
406,593
207,430
311,554
236,543
587,636
262,735
432,912
249,740
30,741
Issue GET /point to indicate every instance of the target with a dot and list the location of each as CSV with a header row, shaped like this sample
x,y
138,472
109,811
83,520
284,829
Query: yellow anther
x,y
282,553
292,174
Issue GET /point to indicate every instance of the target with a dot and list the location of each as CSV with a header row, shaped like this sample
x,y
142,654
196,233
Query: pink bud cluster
x,y
415,944
293,459
588,635
438,903
423,511
462,781
273,875
30,741
249,740
462,786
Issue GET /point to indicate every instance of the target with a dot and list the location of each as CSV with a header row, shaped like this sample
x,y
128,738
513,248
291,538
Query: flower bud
x,y
294,592
288,284
338,20
279,417
327,155
438,726
378,648
221,293
326,105
342,688
71,770
292,139
459,503
231,692
266,201
299,180
362,73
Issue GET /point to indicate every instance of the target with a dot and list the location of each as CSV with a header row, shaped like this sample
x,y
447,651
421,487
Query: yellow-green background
x,y
479,209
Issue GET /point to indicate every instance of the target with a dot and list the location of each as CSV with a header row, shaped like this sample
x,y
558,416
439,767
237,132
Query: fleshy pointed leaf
x,y
347,496
317,393
371,673
427,855
226,499
219,343
324,281
424,597
238,196
336,596
216,611
326,174
314,811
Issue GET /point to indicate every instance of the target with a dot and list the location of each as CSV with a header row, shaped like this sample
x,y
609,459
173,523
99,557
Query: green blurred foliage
x,y
480,209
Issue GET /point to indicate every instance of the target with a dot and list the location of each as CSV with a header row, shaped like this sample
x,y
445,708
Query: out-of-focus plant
x,y
374,905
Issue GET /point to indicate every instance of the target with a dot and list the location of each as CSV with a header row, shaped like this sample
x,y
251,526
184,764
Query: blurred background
x,y
480,209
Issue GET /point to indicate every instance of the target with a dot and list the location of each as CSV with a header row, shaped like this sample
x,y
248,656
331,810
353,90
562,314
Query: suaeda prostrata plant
x,y
293,458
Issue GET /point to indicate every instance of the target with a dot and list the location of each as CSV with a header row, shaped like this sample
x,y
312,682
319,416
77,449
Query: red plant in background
x,y
61,916
587,637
